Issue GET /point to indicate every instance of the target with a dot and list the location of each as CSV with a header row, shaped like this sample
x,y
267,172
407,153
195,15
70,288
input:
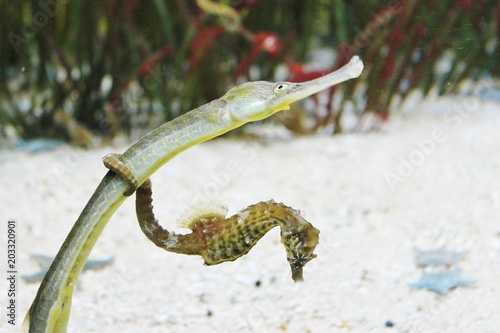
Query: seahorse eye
x,y
280,88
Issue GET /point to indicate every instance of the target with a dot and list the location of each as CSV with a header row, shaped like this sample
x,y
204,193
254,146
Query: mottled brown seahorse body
x,y
218,239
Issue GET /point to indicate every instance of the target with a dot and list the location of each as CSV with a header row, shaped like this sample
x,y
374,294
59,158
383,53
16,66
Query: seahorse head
x,y
299,240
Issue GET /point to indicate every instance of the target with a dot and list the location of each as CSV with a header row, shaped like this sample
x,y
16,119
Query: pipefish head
x,y
300,242
254,101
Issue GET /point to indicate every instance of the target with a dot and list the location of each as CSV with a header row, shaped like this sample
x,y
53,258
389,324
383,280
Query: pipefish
x,y
245,103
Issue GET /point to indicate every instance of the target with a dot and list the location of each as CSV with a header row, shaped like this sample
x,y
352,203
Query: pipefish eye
x,y
280,88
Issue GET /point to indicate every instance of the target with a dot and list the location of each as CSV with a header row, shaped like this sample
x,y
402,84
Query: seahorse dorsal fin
x,y
211,210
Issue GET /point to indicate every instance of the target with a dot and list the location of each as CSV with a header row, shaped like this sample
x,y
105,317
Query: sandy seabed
x,y
428,179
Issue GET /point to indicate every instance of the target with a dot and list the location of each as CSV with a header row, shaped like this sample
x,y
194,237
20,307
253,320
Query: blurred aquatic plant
x,y
78,69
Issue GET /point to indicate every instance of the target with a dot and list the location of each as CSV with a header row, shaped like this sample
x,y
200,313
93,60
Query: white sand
x,y
368,230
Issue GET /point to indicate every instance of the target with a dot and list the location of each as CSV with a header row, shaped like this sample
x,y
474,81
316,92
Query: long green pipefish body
x,y
242,104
